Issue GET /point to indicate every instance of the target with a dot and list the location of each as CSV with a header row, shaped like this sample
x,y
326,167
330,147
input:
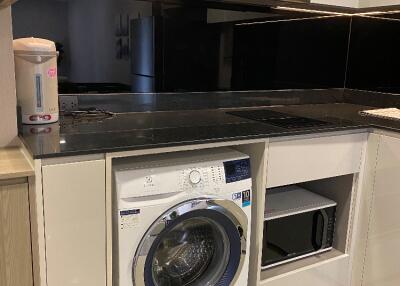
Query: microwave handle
x,y
325,218
325,231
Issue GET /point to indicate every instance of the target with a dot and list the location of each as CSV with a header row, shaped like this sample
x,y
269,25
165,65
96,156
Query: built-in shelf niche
x,y
341,190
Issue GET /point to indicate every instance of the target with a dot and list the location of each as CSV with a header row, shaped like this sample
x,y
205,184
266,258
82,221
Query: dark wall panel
x,y
291,54
114,46
374,55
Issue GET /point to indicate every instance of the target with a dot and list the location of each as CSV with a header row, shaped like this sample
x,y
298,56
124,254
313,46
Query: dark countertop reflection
x,y
133,131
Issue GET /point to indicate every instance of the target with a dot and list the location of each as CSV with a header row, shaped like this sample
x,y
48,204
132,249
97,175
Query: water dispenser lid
x,y
35,46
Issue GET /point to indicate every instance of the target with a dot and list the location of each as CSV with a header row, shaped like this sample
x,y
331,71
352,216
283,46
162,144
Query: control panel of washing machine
x,y
223,173
237,170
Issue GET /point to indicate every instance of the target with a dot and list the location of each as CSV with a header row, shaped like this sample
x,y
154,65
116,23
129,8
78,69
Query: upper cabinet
x,y
357,3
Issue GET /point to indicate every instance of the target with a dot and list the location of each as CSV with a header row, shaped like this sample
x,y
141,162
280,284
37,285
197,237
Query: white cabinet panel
x,y
377,3
381,262
74,210
296,161
332,273
364,196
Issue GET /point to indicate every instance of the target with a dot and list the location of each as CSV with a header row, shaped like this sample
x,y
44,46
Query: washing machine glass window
x,y
194,252
199,247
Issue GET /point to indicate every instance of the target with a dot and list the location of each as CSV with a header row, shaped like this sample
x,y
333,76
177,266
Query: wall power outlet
x,y
69,103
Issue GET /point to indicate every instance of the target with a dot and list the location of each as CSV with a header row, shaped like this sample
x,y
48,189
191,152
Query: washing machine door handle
x,y
226,208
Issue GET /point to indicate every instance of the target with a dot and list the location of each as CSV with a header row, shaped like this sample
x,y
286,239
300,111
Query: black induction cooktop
x,y
281,119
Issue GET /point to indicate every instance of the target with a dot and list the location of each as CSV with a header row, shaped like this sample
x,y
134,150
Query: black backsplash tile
x,y
124,46
139,102
131,47
374,57
291,54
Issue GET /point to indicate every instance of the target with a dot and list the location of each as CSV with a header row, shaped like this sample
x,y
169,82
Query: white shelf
x,y
290,200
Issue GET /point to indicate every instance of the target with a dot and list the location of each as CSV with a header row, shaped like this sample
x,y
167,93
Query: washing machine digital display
x,y
237,170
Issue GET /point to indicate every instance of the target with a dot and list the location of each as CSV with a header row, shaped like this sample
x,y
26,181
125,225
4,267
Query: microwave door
x,y
293,236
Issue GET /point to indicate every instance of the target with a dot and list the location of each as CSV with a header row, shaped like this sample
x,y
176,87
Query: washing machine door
x,y
197,243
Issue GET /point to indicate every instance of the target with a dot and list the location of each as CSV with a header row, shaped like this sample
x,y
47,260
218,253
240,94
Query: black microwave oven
x,y
298,223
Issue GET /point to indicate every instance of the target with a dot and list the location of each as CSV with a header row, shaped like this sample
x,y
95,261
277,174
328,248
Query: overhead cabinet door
x,y
74,210
357,3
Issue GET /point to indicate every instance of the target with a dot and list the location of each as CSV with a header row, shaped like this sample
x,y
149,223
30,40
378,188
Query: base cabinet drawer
x,y
74,211
295,161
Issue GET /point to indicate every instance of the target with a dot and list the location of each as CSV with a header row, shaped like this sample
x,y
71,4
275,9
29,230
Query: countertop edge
x,y
14,164
194,142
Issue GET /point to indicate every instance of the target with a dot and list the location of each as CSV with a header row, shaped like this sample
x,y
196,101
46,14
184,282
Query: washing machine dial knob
x,y
195,177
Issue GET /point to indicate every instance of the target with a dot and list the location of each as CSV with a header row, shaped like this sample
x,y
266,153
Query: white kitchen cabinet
x,y
330,166
74,214
381,265
302,160
333,267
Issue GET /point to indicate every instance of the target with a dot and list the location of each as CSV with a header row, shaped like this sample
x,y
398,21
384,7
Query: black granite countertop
x,y
133,131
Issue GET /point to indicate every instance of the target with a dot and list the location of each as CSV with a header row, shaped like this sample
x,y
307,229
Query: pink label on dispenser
x,y
52,72
45,117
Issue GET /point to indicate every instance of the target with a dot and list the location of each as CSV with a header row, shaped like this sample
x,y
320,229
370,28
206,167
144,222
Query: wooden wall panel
x,y
8,123
15,243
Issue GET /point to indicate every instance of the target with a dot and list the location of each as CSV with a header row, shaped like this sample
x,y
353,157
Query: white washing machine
x,y
182,219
